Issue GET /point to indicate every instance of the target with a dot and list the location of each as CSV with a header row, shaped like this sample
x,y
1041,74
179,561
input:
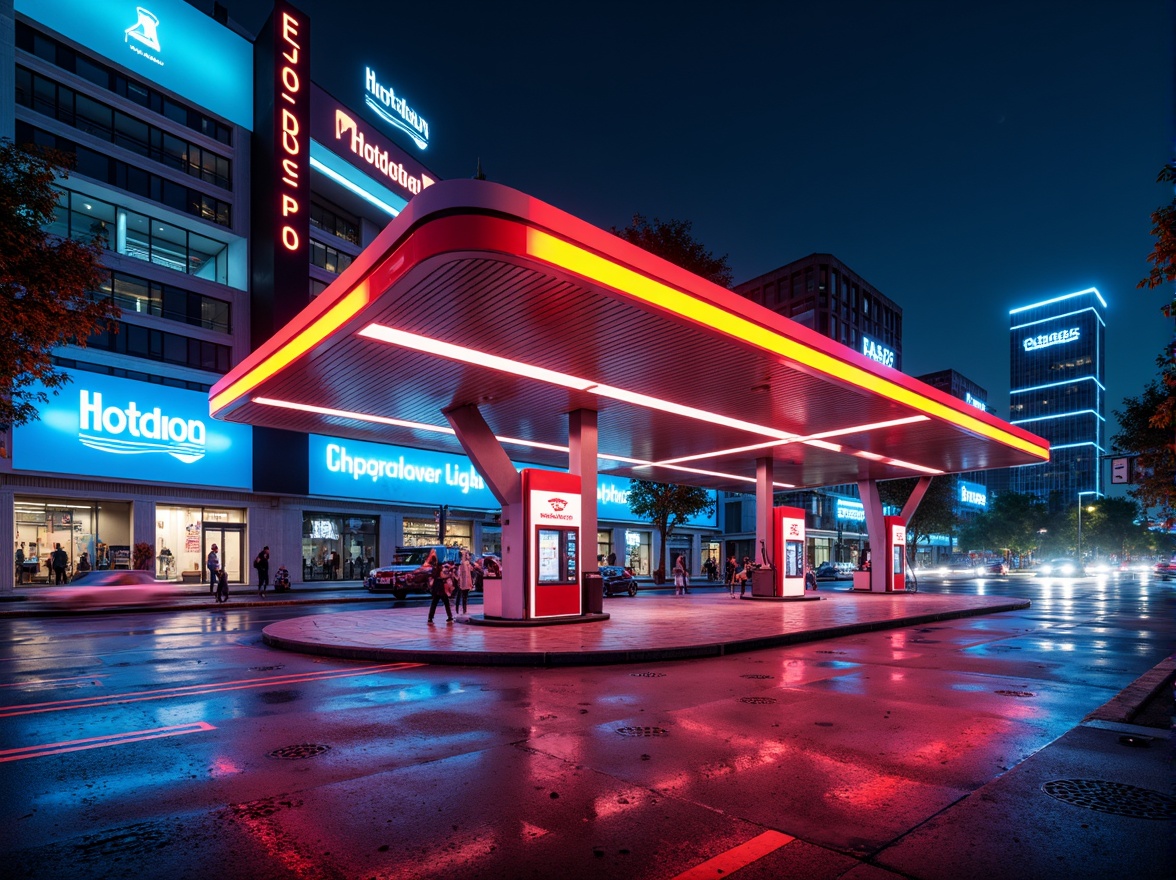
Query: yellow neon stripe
x,y
738,857
327,323
564,255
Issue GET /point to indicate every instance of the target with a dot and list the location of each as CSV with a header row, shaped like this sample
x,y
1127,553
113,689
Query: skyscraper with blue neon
x,y
1058,391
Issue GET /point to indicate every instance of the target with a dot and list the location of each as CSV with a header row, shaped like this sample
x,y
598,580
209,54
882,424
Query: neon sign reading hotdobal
x,y
877,352
1045,340
347,129
395,111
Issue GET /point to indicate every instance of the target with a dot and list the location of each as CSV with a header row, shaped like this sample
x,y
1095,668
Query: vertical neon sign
x,y
291,145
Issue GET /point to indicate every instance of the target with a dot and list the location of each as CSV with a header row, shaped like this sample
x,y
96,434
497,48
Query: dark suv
x,y
405,575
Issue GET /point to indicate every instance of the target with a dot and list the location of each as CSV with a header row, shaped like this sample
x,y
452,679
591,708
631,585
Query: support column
x,y
875,532
764,536
8,547
917,493
582,447
504,598
143,527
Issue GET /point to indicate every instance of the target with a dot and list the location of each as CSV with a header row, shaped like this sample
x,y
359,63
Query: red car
x,y
996,566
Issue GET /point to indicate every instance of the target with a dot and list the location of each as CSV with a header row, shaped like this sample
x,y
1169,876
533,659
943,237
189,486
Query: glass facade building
x,y
1058,391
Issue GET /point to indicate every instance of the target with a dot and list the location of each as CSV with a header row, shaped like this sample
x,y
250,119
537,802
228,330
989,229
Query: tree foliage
x,y
45,282
1163,255
1145,429
1112,526
667,506
936,513
1013,522
673,240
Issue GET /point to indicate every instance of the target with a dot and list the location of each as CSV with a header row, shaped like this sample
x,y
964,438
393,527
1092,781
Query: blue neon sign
x,y
400,474
108,427
165,41
973,495
851,511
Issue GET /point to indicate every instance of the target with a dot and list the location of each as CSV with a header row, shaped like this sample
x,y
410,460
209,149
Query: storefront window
x,y
458,532
338,546
100,531
492,540
637,553
604,546
184,535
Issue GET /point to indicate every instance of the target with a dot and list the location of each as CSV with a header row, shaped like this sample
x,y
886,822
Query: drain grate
x,y
758,701
303,750
1016,693
648,674
265,668
643,731
1112,797
756,676
133,840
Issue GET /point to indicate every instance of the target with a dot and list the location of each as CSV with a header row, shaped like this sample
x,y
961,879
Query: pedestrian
x,y
335,573
612,557
465,582
679,576
20,564
743,576
440,584
729,574
60,560
213,563
261,563
810,578
84,563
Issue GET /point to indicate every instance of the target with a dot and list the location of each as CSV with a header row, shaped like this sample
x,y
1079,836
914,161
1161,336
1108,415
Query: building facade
x,y
1058,391
228,190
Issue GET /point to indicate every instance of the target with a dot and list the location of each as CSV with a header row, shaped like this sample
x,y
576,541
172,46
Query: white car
x,y
113,588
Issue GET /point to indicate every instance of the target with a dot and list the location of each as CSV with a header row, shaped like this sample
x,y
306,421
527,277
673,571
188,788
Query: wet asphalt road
x,y
176,744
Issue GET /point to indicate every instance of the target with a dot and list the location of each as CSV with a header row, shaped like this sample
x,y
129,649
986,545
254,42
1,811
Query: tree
x,y
936,513
1113,527
667,507
674,240
46,282
1014,522
1144,430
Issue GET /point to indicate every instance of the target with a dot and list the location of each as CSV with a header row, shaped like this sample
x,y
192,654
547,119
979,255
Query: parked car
x,y
618,580
404,574
834,571
996,566
1061,567
113,588
1165,571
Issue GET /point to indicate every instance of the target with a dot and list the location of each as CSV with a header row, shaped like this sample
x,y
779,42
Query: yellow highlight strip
x,y
326,324
564,255
739,857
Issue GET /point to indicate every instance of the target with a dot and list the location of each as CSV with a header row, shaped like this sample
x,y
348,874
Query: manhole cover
x,y
1016,693
1112,797
133,840
648,674
265,668
758,701
757,676
294,753
643,731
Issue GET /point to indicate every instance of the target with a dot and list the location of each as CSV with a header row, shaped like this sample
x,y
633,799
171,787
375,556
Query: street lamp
x,y
1080,494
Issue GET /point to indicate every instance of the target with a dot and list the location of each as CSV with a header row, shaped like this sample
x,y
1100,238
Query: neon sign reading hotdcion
x,y
1045,340
395,110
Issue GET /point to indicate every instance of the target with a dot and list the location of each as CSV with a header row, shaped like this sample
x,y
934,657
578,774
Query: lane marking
x,y
198,689
41,682
98,742
738,857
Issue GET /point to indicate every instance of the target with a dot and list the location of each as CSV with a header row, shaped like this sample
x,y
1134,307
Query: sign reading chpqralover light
x,y
1045,340
395,110
108,427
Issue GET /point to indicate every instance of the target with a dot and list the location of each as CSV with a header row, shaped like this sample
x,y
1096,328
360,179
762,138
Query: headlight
x,y
1067,569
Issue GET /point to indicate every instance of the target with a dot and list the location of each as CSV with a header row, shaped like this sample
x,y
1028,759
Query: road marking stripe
x,y
98,742
198,689
37,682
738,857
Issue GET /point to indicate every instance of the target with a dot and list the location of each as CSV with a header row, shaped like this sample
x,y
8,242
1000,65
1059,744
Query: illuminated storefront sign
x,y
851,511
1045,340
394,110
975,401
973,494
292,95
346,135
109,427
877,352
168,42
398,474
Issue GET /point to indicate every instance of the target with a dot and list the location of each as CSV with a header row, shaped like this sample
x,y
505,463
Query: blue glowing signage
x,y
846,510
104,426
1048,340
400,474
973,495
877,352
394,110
975,401
165,41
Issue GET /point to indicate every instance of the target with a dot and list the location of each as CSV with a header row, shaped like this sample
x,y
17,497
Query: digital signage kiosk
x,y
895,554
551,511
788,527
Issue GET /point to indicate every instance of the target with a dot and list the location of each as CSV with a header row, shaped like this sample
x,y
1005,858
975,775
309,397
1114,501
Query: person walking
x,y
729,574
810,578
213,563
440,585
466,575
60,560
743,576
679,576
20,557
261,563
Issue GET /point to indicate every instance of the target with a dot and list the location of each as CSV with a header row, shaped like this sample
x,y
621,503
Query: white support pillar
x,y
876,532
764,537
582,447
917,493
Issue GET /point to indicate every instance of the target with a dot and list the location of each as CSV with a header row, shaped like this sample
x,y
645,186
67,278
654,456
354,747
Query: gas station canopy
x,y
478,295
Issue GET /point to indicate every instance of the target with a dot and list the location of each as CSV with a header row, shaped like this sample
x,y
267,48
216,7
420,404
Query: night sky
x,y
964,159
